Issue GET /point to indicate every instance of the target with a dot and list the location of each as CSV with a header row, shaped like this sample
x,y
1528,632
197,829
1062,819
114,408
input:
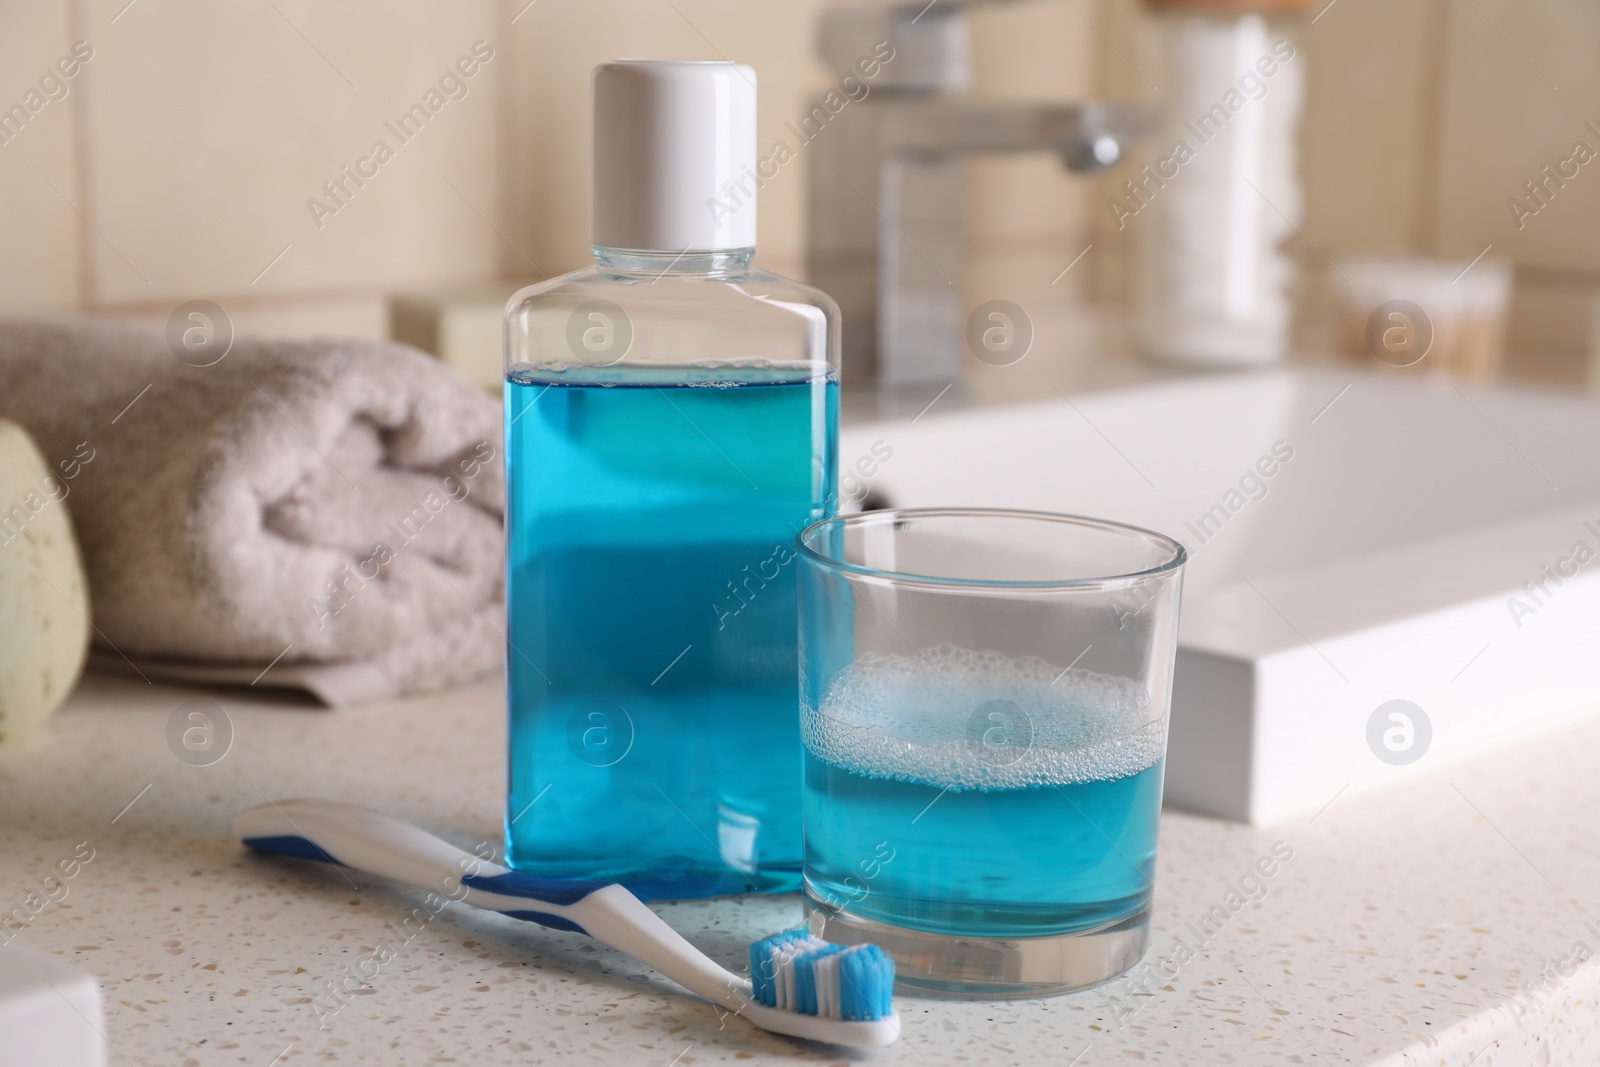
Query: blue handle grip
x,y
546,890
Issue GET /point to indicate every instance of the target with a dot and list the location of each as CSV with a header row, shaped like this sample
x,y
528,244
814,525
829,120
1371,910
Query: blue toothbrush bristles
x,y
804,974
866,984
769,958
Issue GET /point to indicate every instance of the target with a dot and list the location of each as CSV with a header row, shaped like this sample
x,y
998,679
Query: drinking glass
x,y
983,702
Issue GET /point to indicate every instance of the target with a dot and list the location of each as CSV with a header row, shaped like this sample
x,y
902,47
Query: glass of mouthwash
x,y
983,707
671,426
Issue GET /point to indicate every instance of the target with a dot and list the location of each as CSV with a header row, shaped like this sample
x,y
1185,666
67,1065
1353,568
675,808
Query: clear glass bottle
x,y
671,425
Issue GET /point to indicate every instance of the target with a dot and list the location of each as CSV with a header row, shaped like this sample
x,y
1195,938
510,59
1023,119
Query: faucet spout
x,y
886,214
886,225
1088,136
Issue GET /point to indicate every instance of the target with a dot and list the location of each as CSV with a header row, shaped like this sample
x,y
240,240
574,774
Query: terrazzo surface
x,y
1452,919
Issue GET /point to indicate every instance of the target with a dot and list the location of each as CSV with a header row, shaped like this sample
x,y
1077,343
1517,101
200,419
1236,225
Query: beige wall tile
x,y
211,125
1503,122
38,232
330,314
206,127
1126,60
1364,140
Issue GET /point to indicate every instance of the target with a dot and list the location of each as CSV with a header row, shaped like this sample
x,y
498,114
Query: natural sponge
x,y
44,602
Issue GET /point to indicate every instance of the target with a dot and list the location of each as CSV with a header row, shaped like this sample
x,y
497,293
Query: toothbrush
x,y
802,986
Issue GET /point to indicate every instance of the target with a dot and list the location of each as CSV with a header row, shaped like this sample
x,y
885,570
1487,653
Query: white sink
x,y
1379,564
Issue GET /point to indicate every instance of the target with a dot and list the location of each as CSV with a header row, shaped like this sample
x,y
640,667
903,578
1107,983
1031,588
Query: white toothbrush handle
x,y
618,918
366,840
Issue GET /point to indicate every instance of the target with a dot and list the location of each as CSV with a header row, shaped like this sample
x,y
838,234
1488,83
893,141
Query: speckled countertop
x,y
1453,919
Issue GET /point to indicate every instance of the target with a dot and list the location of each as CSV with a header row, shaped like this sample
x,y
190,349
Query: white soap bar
x,y
49,1012
44,603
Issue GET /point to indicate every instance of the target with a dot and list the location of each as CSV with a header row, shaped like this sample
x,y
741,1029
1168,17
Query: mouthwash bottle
x,y
671,425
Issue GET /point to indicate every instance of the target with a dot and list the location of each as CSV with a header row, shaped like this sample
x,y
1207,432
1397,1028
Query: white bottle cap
x,y
673,141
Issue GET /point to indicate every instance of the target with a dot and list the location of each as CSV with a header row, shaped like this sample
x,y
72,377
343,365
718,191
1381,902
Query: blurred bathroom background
x,y
179,163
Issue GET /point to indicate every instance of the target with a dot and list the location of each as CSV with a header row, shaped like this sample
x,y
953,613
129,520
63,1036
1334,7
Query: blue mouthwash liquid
x,y
652,666
913,821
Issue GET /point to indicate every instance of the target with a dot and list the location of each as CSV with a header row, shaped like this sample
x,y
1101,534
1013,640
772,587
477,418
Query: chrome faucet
x,y
886,228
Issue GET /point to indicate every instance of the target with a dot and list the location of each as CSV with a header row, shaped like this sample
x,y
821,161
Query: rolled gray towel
x,y
329,506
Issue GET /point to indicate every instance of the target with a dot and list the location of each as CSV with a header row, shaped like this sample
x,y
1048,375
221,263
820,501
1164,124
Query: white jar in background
x,y
1213,277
